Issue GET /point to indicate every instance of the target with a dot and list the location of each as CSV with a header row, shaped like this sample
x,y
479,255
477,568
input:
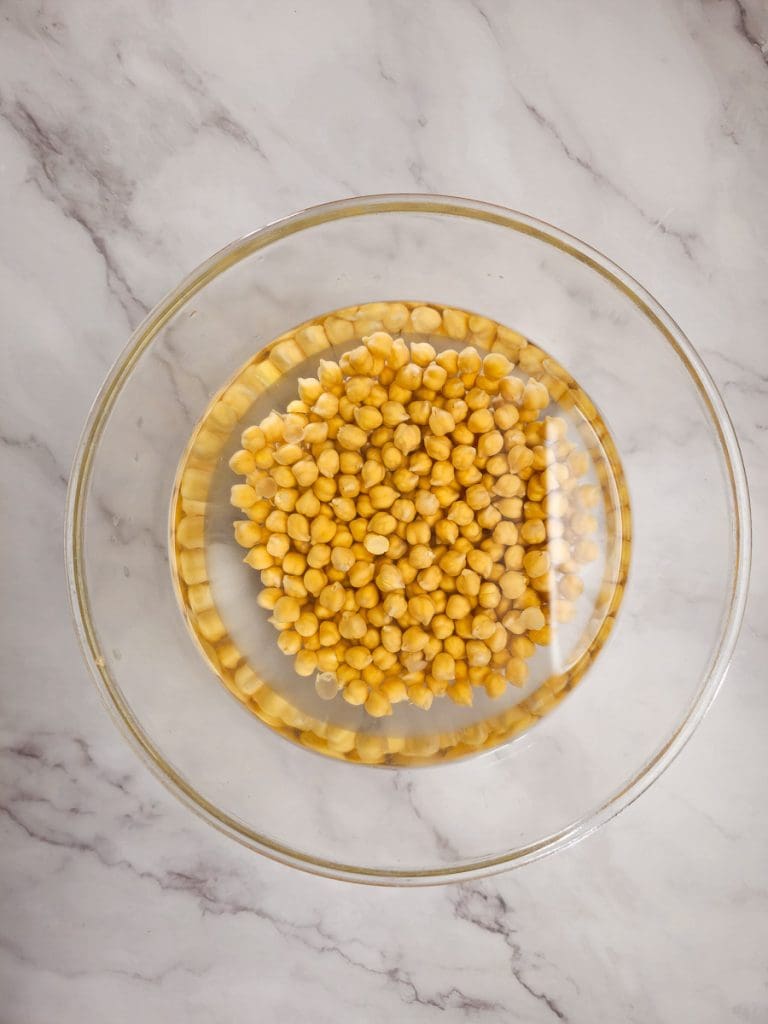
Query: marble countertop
x,y
135,139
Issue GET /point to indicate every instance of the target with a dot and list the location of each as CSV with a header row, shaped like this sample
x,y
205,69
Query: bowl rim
x,y
142,338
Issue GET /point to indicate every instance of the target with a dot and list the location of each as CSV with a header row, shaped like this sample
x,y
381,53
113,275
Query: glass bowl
x,y
682,602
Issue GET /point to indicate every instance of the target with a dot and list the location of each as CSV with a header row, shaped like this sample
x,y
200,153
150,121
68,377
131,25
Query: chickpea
x,y
406,513
468,583
397,547
361,573
571,587
331,597
483,627
328,462
583,523
393,413
285,611
421,609
537,563
375,544
294,563
463,457
477,497
513,557
289,642
476,398
588,495
446,531
481,422
512,584
460,513
443,666
506,416
586,551
515,670
441,422
389,579
533,531
505,533
453,562
372,473
457,606
438,448
382,497
461,693
318,556
367,596
443,474
489,444
356,692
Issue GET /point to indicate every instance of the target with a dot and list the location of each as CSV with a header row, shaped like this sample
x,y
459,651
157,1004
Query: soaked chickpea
x,y
420,517
386,515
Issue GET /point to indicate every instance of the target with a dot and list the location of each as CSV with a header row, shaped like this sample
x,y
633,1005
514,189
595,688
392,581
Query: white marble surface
x,y
134,140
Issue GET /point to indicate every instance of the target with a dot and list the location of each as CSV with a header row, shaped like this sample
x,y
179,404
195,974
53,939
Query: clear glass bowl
x,y
639,701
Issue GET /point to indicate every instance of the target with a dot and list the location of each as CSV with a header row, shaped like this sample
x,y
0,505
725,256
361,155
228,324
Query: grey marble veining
x,y
134,141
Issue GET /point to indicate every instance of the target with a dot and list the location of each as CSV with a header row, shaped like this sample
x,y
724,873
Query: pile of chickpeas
x,y
418,522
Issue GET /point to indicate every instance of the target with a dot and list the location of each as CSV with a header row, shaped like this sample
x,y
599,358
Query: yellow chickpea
x,y
406,512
